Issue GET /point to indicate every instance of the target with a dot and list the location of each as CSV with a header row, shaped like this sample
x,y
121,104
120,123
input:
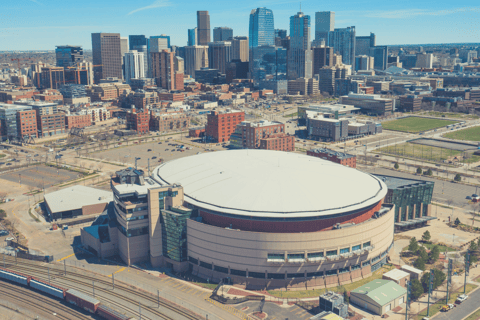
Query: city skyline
x,y
25,26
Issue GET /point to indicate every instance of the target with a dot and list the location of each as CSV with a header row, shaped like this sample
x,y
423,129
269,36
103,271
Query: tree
x,y
473,246
413,246
3,214
419,264
396,166
458,177
457,222
416,289
429,172
438,278
419,170
426,236
473,258
3,196
422,253
345,296
434,254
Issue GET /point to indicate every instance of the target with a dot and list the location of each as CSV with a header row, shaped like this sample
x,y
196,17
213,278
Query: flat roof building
x,y
379,296
76,200
345,159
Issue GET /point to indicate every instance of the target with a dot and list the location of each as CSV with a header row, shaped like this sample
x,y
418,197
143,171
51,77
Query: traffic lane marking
x,y
117,271
71,255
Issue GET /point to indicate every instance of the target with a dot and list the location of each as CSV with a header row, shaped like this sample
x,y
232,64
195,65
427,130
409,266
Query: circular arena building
x,y
272,219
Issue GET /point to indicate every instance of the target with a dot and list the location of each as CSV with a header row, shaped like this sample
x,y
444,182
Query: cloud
x,y
36,1
155,4
410,13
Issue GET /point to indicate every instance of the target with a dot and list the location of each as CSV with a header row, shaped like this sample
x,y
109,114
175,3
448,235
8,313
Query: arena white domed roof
x,y
271,184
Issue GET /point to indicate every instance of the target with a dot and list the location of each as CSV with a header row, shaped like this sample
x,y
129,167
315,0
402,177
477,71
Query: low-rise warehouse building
x,y
414,272
397,275
379,296
75,201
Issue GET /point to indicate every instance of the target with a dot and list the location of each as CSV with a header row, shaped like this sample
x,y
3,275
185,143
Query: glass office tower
x,y
261,29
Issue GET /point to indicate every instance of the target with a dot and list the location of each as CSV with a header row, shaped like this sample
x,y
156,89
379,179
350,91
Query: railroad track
x,y
85,280
38,302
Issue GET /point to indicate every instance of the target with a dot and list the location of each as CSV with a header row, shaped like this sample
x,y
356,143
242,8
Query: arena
x,y
270,219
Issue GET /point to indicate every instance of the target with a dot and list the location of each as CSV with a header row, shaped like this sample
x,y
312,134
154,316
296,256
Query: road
x,y
463,310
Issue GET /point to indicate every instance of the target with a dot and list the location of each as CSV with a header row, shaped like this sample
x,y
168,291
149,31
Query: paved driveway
x,y
463,310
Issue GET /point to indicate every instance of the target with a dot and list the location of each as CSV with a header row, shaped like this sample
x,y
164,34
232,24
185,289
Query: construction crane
x,y
18,61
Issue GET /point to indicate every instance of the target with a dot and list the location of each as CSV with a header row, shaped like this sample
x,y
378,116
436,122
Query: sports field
x,y
470,134
418,151
416,124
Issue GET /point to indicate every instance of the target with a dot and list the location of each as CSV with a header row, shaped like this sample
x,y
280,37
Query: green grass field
x,y
413,150
469,134
415,124
452,115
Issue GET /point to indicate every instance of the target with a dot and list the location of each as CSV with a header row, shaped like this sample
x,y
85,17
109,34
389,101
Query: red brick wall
x,y
286,226
78,121
27,123
221,125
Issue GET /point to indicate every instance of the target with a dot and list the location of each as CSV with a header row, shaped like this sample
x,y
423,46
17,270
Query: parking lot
x,y
274,311
158,151
39,176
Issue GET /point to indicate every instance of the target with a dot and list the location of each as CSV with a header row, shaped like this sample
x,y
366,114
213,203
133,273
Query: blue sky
x,y
42,24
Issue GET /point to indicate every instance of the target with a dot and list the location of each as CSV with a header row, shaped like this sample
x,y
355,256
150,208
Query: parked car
x,y
154,157
461,298
469,198
166,149
149,150
3,233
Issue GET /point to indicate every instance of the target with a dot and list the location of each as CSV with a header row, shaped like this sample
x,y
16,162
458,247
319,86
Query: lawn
x,y
469,134
315,293
419,151
416,124
434,308
2,155
429,246
291,115
474,316
452,115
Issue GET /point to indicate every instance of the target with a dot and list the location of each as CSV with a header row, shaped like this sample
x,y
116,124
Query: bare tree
x,y
450,204
100,166
474,207
3,196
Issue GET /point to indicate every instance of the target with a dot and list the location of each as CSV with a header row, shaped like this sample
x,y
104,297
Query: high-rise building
x,y
236,69
52,77
203,28
364,44
324,23
268,62
134,65
167,69
196,57
322,56
222,33
219,54
68,56
299,63
240,48
364,62
82,73
123,45
158,43
192,37
261,28
327,80
424,60
107,56
280,33
144,50
343,42
136,40
380,57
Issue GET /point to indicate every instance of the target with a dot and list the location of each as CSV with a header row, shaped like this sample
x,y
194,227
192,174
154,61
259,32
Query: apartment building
x,y
221,124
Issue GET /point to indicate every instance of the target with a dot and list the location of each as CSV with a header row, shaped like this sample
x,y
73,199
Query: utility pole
x,y
113,281
158,298
65,267
449,277
430,286
407,303
93,286
467,270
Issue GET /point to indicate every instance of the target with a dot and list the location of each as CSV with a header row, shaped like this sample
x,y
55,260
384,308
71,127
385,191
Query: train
x,y
72,296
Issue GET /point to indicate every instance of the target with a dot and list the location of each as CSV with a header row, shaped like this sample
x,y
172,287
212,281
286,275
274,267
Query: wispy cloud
x,y
410,13
36,1
155,4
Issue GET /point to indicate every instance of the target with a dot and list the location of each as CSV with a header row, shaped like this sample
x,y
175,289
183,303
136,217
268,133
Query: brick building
x,y
138,120
50,124
345,159
170,96
221,124
197,132
27,123
77,121
262,135
169,121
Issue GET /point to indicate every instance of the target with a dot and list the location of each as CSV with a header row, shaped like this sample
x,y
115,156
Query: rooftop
x,y
396,182
412,269
271,184
339,155
396,274
381,291
75,197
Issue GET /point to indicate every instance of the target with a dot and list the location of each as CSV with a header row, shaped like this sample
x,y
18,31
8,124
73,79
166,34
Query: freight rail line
x,y
31,267
31,299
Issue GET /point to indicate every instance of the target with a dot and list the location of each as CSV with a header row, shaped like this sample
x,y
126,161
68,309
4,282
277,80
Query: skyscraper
x,y
134,65
299,63
196,57
136,40
68,56
240,48
261,28
192,37
222,33
219,55
144,50
380,57
203,28
343,42
324,23
106,53
167,70
364,44
322,56
280,33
